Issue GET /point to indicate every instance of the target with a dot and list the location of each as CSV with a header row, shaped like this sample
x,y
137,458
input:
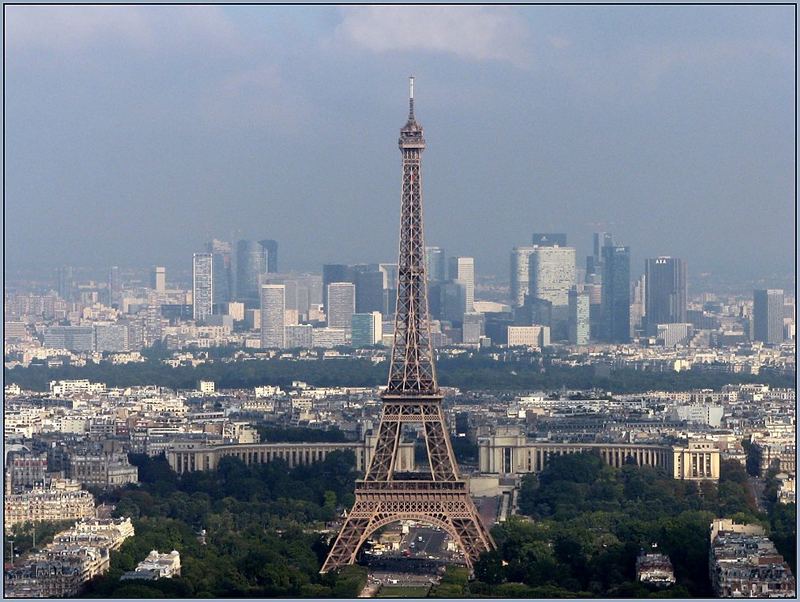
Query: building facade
x,y
520,274
579,324
508,452
462,269
616,293
768,315
666,293
273,316
341,304
367,329
202,286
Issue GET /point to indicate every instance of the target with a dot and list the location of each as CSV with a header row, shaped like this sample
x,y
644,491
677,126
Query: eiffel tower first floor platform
x,y
444,504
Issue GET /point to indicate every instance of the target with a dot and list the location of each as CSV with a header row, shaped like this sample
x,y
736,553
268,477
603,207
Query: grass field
x,y
403,591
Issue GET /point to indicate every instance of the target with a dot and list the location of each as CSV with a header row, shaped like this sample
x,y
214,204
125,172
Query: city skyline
x,y
245,187
615,423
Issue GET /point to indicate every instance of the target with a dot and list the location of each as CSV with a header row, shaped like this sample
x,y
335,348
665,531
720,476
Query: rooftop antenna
x,y
411,98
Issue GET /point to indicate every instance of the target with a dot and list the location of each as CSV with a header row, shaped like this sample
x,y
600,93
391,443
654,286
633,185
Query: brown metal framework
x,y
440,497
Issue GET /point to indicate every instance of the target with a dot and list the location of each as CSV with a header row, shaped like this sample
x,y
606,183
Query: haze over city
x,y
135,134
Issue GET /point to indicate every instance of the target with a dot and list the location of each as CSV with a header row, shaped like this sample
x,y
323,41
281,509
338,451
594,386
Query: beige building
x,y
508,452
46,505
528,336
75,556
191,457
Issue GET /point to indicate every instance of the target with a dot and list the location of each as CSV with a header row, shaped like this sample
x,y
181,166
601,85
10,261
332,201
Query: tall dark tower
x,y
437,495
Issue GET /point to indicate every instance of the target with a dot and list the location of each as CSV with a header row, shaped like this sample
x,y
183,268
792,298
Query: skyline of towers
x,y
202,286
666,294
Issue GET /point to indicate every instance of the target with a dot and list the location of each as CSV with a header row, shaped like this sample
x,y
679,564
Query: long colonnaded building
x,y
191,457
509,452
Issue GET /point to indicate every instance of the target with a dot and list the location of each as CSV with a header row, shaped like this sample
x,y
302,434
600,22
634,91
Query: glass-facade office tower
x,y
65,281
768,315
202,286
251,265
271,252
273,316
114,286
462,269
367,329
369,291
665,292
578,317
435,264
341,304
223,270
552,274
594,262
616,293
520,274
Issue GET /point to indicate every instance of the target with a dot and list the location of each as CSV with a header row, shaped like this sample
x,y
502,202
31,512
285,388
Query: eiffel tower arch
x,y
437,495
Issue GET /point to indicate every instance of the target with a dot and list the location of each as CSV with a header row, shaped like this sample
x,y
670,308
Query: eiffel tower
x,y
437,496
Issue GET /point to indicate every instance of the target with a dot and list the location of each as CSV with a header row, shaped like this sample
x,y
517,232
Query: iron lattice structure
x,y
439,496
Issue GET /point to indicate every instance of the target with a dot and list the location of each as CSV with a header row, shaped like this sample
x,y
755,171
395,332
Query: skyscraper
x,y
341,304
665,292
273,316
594,262
578,317
549,239
435,264
158,279
768,315
223,270
462,269
616,293
335,272
369,290
251,265
202,286
552,274
520,274
114,286
271,251
367,329
65,281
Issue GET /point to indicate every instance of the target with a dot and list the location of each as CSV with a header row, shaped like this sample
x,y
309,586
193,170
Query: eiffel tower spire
x,y
437,495
412,371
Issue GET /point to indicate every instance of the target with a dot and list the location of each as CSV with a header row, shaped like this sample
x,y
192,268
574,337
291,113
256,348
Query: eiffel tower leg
x,y
346,545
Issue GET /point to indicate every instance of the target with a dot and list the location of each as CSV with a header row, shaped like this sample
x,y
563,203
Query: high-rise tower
x,y
439,495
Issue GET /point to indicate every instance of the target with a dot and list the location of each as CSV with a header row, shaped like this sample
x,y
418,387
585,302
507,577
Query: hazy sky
x,y
135,134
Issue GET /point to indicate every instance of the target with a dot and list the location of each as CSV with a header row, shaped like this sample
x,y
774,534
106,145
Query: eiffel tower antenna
x,y
439,495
